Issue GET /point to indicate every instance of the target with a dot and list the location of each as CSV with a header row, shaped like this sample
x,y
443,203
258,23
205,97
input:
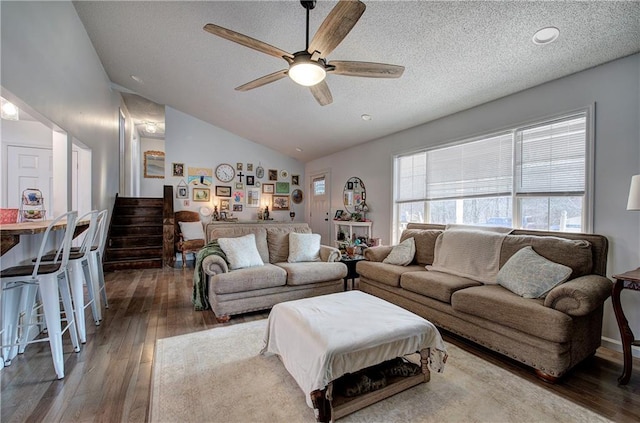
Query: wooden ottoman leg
x,y
321,404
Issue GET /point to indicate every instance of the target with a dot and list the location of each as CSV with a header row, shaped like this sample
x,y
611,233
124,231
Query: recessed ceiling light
x,y
366,117
546,35
299,150
137,79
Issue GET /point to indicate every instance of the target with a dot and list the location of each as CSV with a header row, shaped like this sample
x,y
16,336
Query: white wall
x,y
614,88
49,63
199,144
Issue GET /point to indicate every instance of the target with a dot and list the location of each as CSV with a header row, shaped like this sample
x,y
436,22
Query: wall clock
x,y
225,172
260,172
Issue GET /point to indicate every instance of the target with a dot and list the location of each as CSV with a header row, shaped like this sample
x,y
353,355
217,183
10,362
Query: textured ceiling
x,y
457,55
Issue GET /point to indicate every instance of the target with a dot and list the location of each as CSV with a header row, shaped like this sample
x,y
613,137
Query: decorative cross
x,y
240,175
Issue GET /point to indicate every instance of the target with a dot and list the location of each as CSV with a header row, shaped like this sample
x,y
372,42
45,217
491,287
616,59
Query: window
x,y
319,186
531,177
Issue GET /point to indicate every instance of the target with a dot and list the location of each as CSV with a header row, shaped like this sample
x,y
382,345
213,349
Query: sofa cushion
x,y
425,240
248,279
241,251
303,247
402,254
530,275
497,304
388,274
576,254
313,272
278,241
241,230
437,285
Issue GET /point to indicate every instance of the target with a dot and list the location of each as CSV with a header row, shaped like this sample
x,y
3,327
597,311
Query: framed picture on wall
x,y
295,179
253,197
237,207
223,191
177,169
250,180
273,174
182,190
201,194
282,187
224,204
268,188
154,164
280,202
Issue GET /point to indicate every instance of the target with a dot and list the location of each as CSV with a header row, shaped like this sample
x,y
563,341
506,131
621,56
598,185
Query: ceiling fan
x,y
309,67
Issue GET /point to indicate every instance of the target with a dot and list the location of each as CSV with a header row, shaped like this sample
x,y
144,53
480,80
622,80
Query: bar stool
x,y
96,253
21,284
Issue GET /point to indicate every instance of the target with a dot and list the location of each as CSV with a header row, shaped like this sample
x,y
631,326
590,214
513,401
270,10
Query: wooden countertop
x,y
10,232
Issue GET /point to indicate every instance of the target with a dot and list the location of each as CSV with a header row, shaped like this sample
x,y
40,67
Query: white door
x,y
320,206
29,167
32,167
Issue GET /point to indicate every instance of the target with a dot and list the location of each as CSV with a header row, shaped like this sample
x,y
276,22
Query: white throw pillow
x,y
191,230
241,252
402,254
303,247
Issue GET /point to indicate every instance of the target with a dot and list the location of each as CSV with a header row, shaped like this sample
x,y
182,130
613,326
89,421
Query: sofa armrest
x,y
377,253
579,296
214,265
328,253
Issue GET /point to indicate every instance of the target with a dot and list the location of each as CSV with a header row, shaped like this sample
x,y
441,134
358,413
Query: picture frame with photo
x,y
201,194
280,202
253,197
273,174
223,191
295,179
268,188
338,215
177,169
250,180
154,164
224,204
237,207
282,187
249,167
239,185
182,190
238,166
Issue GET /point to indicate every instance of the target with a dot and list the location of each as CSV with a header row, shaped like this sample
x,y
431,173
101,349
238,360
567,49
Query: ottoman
x,y
320,339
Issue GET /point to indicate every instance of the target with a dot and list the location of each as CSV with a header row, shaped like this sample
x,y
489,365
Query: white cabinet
x,y
350,228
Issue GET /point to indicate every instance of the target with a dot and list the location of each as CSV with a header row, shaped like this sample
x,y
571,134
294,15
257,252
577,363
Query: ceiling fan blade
x,y
246,41
366,69
336,26
322,93
267,79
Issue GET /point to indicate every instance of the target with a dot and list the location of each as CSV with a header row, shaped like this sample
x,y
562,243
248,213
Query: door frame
x,y
327,175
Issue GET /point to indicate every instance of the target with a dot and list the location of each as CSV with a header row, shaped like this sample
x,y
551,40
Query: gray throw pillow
x,y
530,275
402,254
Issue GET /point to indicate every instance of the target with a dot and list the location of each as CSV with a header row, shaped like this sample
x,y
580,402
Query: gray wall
x,y
49,63
613,89
199,144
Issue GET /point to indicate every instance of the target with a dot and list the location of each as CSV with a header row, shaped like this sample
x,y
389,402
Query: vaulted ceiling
x,y
457,55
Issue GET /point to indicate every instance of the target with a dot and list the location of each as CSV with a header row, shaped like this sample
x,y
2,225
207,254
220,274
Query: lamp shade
x,y
634,193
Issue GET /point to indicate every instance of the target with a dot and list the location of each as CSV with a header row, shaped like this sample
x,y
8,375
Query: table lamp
x,y
634,194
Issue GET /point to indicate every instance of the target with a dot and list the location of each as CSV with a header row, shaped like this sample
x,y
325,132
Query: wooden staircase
x,y
135,238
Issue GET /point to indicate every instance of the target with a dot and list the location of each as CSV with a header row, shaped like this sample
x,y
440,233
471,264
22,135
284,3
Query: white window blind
x,y
481,168
552,157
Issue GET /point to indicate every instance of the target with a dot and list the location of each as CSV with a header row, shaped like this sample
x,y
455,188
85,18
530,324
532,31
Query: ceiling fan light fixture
x,y
306,72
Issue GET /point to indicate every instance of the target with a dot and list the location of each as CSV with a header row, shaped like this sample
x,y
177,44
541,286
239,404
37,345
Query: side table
x,y
351,262
629,280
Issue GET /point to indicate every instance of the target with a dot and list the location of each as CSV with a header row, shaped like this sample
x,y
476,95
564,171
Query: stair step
x,y
119,231
137,220
139,201
112,254
132,264
129,241
138,211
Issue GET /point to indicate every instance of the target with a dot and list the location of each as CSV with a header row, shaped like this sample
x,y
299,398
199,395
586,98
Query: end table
x,y
351,262
629,280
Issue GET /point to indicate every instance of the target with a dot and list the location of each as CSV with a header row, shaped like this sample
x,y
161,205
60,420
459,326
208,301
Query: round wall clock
x,y
225,172
259,172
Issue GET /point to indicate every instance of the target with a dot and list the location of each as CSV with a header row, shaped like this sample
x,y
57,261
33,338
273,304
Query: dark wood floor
x,y
109,380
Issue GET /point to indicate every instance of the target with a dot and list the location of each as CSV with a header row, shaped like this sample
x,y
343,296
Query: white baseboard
x,y
616,345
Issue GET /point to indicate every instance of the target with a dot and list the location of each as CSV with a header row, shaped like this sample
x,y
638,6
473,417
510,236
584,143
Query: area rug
x,y
218,375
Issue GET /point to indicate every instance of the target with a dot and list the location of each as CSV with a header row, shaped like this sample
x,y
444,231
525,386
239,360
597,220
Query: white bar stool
x,y
51,280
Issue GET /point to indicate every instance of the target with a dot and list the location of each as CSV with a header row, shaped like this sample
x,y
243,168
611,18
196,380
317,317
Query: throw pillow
x,y
303,247
402,254
241,252
530,275
191,230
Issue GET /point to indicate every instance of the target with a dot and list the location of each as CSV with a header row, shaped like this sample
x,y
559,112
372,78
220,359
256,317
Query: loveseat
x,y
551,334
260,287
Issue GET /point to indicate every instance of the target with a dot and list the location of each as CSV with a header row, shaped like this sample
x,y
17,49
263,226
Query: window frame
x,y
587,204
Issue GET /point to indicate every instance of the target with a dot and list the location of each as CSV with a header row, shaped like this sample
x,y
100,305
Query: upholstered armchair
x,y
189,233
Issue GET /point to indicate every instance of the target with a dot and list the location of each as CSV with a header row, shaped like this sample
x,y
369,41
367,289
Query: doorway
x,y
320,205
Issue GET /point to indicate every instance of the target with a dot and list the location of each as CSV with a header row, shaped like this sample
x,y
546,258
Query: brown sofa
x,y
257,288
550,334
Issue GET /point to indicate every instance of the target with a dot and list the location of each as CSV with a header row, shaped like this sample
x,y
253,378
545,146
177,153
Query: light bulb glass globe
x,y
307,73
